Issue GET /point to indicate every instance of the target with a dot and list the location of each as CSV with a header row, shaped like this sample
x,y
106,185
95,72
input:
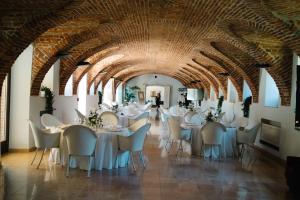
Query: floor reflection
x,y
166,177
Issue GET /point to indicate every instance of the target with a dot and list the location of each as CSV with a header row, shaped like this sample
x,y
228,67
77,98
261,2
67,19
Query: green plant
x,y
49,98
246,106
220,103
100,97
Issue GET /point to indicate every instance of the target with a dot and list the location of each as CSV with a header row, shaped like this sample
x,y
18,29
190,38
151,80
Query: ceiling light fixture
x,y
224,74
62,54
82,62
262,65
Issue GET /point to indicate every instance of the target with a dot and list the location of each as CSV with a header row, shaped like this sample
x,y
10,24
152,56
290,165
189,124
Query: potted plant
x,y
49,100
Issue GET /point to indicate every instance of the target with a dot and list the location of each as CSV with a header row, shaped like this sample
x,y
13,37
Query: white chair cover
x,y
81,116
49,121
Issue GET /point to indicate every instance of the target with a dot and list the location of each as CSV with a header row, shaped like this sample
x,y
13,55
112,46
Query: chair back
x,y
174,126
43,139
142,116
146,107
188,116
243,122
138,138
253,133
109,118
80,116
134,142
81,140
212,133
49,121
138,124
197,119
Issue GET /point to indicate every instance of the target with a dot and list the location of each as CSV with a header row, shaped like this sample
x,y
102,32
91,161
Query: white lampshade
x,y
194,94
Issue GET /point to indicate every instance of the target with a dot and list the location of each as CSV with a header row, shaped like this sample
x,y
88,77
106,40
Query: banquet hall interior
x,y
149,99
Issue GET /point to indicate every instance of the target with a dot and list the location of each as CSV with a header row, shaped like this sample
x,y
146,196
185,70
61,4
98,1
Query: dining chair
x,y
188,116
246,137
49,121
212,134
138,124
81,116
177,133
109,118
134,143
241,123
81,141
43,140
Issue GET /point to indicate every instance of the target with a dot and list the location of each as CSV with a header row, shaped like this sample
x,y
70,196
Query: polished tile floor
x,y
165,178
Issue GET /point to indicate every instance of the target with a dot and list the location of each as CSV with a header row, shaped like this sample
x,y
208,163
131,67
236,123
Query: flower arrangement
x,y
209,117
94,120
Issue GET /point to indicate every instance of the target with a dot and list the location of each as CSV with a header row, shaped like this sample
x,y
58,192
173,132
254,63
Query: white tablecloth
x,y
105,153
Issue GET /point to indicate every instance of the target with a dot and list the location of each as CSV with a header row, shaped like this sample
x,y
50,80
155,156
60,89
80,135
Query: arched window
x,y
272,96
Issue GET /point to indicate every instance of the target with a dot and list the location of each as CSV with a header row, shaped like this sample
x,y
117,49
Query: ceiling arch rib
x,y
196,81
221,81
266,47
119,66
68,65
100,66
203,77
235,77
185,17
139,73
44,57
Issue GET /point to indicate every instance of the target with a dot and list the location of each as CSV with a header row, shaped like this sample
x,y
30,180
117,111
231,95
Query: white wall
x,y
119,94
290,138
92,89
20,101
91,103
82,94
65,108
69,87
107,92
148,79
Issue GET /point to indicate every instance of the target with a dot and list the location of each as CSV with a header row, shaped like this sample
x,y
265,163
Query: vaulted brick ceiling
x,y
188,40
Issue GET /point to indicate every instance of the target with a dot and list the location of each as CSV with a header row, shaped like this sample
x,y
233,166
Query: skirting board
x,y
22,150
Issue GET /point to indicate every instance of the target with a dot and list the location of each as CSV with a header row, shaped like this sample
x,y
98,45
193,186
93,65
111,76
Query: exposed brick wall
x,y
165,35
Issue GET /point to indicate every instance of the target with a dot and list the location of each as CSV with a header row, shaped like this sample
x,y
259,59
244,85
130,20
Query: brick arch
x,y
204,76
196,75
179,78
191,20
123,64
44,57
68,65
213,74
100,67
235,77
28,23
187,79
114,71
281,68
243,63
